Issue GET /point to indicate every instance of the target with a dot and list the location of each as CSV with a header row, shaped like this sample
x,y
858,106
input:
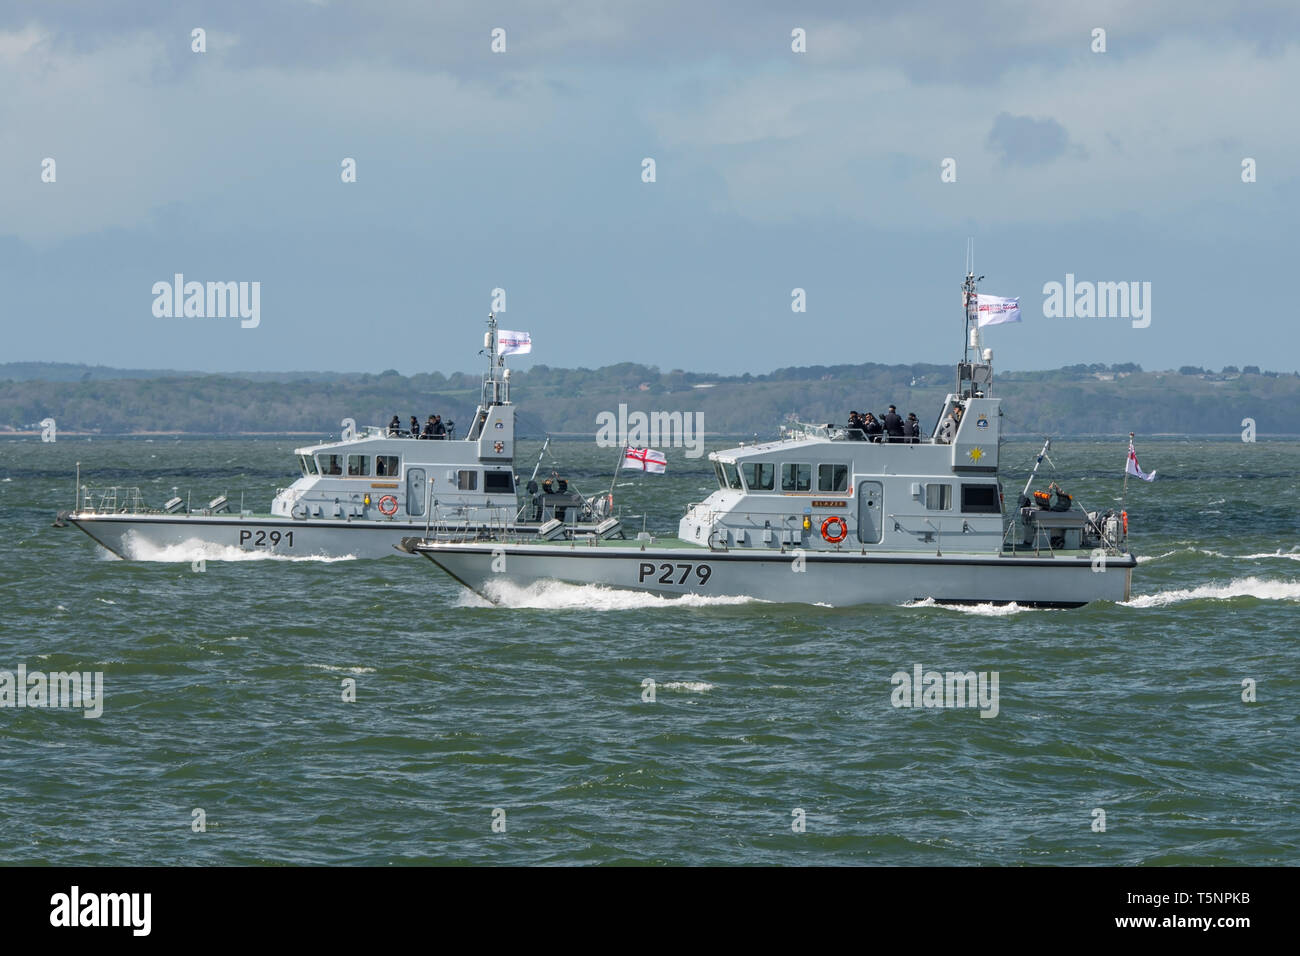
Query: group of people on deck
x,y
889,427
433,428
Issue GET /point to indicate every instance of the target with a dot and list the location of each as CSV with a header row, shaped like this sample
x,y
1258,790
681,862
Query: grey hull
x,y
836,579
146,537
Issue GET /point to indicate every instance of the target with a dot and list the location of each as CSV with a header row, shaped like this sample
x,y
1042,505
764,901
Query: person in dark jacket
x,y
912,429
893,425
873,428
439,429
394,427
428,428
415,427
855,431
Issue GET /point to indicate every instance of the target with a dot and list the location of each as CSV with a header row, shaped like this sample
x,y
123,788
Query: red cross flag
x,y
645,459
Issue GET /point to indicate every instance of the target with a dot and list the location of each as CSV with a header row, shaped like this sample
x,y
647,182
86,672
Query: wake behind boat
x,y
825,515
362,495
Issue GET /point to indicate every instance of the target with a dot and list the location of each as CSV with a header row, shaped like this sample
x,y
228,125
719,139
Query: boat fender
x,y
839,535
388,505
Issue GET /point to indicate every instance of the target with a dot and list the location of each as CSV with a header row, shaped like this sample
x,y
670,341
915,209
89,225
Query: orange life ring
x,y
1124,515
391,508
844,529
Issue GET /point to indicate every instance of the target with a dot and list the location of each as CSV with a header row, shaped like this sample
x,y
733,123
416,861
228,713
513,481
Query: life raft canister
x,y
388,505
840,535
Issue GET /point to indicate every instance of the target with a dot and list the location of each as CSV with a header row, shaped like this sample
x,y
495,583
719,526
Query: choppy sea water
x,y
223,691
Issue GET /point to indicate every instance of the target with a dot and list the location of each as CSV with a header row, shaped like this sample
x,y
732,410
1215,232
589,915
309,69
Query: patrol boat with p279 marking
x,y
824,517
362,495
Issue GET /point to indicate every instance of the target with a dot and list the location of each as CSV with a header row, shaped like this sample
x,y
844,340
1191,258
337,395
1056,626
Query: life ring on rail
x,y
1124,516
843,532
388,505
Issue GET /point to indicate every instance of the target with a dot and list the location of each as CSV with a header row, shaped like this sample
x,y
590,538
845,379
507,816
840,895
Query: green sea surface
x,y
520,734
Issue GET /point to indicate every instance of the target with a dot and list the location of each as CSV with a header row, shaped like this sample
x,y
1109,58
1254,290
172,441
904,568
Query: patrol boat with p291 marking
x,y
362,495
823,517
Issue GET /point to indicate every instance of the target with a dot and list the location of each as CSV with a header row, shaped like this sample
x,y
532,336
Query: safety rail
x,y
1013,534
118,499
832,432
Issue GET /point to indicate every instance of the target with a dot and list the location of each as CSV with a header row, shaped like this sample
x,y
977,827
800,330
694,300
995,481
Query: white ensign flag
x,y
513,343
645,459
995,310
1132,466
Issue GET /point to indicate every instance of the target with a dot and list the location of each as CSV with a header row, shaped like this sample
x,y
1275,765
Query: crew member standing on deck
x,y
893,425
872,427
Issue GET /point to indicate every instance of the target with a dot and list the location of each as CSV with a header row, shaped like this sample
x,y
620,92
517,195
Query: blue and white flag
x,y
995,310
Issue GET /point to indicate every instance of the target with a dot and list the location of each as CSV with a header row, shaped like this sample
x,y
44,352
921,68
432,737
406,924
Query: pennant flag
x,y
1132,466
513,343
995,310
645,459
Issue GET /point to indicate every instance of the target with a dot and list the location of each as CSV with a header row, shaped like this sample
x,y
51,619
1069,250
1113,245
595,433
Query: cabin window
x,y
796,477
358,466
331,464
938,497
387,466
832,477
759,475
981,499
308,464
467,480
717,471
733,476
498,482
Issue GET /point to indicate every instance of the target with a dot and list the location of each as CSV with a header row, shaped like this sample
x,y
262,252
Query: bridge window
x,y
733,476
467,480
759,475
938,497
387,466
981,499
832,477
498,482
796,477
308,464
331,464
358,466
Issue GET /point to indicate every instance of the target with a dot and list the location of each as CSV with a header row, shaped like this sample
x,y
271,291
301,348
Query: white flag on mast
x,y
513,343
645,459
995,310
1132,466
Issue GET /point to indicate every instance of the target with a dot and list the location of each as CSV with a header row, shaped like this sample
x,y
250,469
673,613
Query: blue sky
x,y
522,170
